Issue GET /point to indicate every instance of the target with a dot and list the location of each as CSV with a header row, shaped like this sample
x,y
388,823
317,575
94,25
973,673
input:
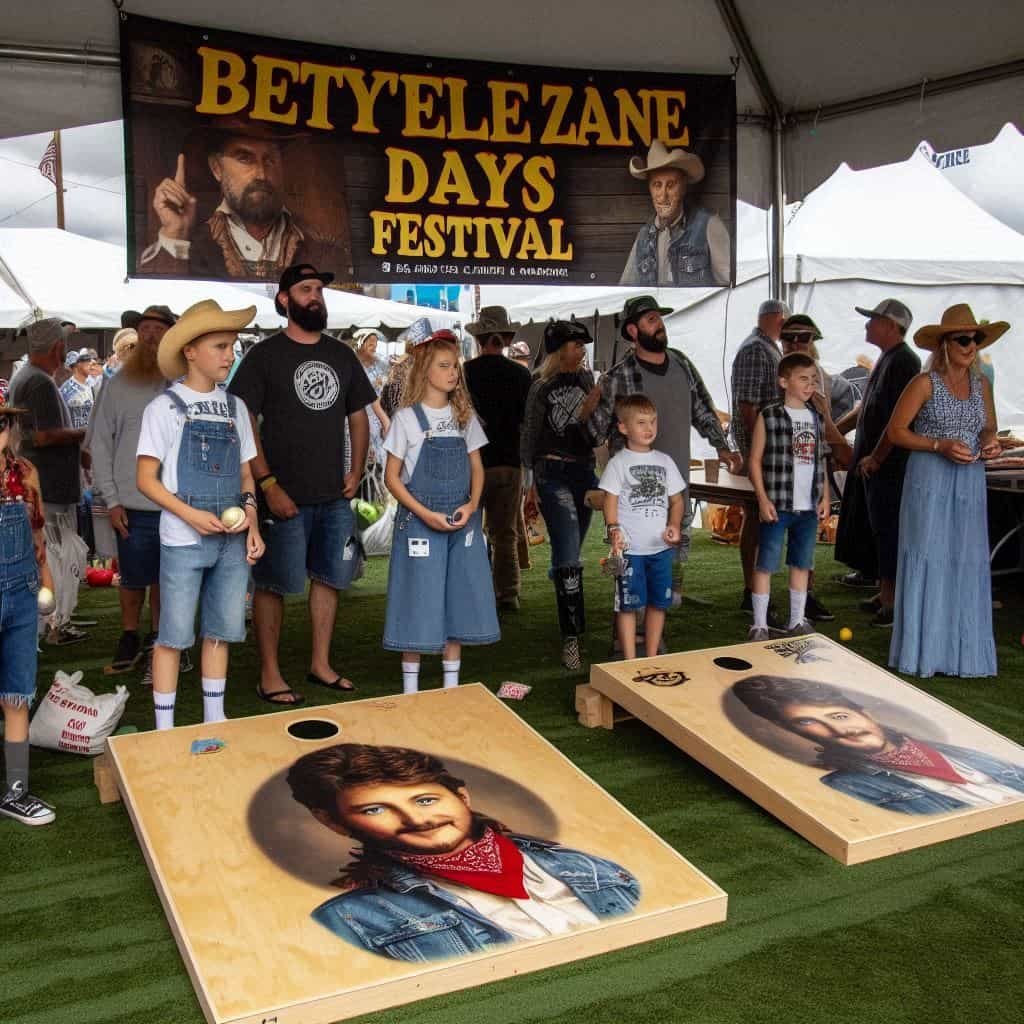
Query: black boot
x,y
572,620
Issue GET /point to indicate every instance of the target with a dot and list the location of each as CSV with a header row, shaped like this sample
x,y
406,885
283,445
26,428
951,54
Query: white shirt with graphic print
x,y
643,482
803,457
405,439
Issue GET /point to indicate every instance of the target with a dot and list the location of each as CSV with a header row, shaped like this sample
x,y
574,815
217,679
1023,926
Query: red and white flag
x,y
48,165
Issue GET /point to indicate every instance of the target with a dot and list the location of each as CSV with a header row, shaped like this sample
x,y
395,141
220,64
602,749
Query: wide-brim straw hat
x,y
959,319
660,157
204,317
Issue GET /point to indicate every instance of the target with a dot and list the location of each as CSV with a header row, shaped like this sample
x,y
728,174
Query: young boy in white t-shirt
x,y
194,451
643,511
787,469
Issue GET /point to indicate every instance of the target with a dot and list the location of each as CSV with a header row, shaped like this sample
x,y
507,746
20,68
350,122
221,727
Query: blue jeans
x,y
138,554
561,487
318,543
803,535
212,576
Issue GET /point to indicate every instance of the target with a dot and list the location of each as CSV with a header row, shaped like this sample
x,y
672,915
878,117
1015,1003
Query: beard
x,y
310,318
140,364
656,342
259,202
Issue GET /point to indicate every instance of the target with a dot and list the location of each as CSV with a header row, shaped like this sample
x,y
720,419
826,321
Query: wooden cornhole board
x,y
781,770
240,865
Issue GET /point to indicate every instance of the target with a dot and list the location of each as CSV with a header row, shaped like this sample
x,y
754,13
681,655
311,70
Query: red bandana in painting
x,y
920,759
492,864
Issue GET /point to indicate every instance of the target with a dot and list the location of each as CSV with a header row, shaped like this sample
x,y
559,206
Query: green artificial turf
x,y
933,935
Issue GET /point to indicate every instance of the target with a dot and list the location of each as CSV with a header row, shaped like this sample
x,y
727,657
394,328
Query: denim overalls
x,y
19,615
214,571
439,584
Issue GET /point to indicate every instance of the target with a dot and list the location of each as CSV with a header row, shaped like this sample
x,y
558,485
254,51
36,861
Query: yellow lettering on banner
x,y
557,252
532,244
594,120
633,117
383,224
543,189
433,228
507,111
453,180
419,107
409,235
497,178
669,107
558,96
272,89
457,113
458,226
398,161
222,69
323,75
505,238
366,98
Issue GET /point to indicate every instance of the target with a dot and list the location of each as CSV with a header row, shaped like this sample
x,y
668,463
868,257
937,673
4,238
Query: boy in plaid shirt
x,y
787,469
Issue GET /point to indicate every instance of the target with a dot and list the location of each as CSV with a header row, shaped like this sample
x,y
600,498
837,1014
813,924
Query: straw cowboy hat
x,y
659,158
493,320
204,317
959,319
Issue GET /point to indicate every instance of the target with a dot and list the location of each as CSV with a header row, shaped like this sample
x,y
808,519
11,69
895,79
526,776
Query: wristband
x,y
266,482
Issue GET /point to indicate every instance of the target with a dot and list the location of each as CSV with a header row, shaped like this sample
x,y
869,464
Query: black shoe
x,y
857,579
64,635
871,605
129,650
19,804
883,619
816,611
747,604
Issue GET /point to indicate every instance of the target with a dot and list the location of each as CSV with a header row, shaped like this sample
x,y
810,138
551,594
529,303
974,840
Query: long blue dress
x,y
943,614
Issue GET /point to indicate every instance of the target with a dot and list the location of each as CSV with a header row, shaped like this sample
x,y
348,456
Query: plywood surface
x,y
782,771
240,865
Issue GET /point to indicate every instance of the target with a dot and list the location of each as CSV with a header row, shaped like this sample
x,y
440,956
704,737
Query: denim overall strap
x,y
209,463
441,477
17,552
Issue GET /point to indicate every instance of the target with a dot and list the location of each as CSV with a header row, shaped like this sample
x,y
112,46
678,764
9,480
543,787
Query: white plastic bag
x,y
74,719
376,537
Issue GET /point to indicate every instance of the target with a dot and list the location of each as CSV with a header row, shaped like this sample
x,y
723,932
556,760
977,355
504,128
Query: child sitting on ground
x,y
787,469
643,510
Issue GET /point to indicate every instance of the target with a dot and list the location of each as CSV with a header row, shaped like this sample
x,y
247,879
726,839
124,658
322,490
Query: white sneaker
x,y
24,807
802,628
758,634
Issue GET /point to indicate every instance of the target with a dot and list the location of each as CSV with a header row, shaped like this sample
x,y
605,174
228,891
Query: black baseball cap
x,y
635,308
293,275
558,332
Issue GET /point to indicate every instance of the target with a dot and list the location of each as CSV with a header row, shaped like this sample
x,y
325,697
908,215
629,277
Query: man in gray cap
x,y
755,383
876,484
53,446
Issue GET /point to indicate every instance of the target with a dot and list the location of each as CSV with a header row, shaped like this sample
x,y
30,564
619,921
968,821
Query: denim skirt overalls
x,y
439,584
212,574
19,615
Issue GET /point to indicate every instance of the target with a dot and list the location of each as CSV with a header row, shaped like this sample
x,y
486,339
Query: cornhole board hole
x,y
241,866
848,755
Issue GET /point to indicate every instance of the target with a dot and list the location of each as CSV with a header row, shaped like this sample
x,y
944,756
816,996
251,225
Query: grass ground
x,y
933,935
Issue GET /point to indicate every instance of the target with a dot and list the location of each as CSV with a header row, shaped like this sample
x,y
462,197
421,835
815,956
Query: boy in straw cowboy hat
x,y
681,246
193,461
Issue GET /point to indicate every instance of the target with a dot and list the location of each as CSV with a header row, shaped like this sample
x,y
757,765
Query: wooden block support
x,y
595,710
106,782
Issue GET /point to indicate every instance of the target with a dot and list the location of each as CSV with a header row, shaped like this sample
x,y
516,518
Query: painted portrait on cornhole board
x,y
317,864
856,760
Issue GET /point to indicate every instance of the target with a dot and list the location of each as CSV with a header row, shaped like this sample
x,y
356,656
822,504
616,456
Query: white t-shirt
x,y
163,424
404,439
803,457
643,482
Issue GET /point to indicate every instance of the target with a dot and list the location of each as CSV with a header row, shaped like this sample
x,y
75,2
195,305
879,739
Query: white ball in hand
x,y
46,601
232,516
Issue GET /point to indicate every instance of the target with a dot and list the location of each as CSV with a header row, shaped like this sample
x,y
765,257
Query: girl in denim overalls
x,y
204,562
22,563
440,594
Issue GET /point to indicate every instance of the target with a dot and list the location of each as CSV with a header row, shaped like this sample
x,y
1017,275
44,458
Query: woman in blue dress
x,y
946,418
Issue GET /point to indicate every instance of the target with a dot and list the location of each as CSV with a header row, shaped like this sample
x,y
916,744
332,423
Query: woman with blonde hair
x,y
946,418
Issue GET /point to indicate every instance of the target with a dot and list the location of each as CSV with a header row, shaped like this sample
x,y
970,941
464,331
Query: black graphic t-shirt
x,y
552,425
303,393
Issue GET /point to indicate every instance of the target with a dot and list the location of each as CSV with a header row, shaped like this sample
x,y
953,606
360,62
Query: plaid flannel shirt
x,y
626,378
777,460
755,380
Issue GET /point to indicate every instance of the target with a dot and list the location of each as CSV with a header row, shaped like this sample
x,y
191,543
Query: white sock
x,y
163,705
213,700
451,672
410,676
797,604
760,606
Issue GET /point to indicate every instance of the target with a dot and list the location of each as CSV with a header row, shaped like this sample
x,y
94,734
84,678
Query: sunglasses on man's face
x,y
799,339
965,340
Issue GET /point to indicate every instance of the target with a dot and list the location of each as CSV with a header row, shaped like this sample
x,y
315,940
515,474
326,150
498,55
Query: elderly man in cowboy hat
x,y
498,387
251,233
684,244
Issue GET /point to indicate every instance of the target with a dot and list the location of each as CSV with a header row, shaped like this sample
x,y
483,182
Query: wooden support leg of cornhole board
x,y
106,782
595,710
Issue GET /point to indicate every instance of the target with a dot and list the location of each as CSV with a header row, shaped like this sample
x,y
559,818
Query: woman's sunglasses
x,y
803,338
966,340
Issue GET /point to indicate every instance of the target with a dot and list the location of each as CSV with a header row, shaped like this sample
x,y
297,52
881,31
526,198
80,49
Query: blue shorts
x,y
646,583
138,554
319,543
803,535
211,576
19,614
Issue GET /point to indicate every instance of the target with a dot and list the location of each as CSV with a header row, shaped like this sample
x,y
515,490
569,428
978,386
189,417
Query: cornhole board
x,y
688,698
240,865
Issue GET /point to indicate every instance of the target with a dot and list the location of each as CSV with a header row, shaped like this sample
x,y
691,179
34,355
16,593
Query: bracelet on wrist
x,y
266,482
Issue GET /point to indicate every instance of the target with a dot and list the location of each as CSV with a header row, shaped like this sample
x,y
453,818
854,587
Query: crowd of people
x,y
216,483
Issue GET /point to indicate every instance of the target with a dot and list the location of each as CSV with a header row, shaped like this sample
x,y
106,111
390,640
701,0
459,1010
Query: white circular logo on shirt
x,y
317,385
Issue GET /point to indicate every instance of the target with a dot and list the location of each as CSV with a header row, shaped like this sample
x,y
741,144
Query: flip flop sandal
x,y
271,698
334,684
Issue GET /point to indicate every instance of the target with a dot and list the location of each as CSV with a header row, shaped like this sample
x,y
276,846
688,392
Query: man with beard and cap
x,y
434,877
251,234
675,387
114,441
301,386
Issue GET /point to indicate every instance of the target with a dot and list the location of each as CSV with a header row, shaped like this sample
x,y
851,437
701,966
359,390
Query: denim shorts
x,y
646,583
19,613
319,543
803,535
138,554
211,576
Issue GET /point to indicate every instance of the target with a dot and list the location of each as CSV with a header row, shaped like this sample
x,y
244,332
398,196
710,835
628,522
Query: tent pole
x,y
776,263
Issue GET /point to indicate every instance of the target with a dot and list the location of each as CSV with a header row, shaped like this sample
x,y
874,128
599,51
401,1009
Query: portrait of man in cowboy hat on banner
x,y
683,244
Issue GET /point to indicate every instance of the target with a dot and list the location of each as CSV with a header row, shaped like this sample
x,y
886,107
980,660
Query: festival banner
x,y
246,154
